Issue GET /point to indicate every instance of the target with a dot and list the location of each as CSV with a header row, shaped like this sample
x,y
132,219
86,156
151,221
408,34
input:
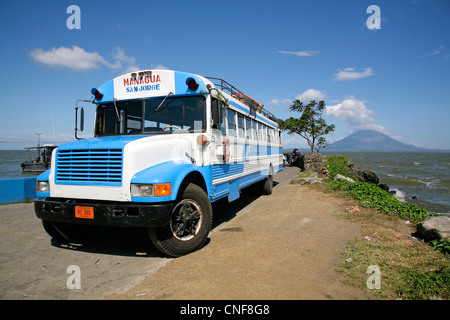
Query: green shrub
x,y
441,245
423,286
337,165
371,196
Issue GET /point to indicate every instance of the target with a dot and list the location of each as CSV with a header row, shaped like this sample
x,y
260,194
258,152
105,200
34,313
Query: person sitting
x,y
295,154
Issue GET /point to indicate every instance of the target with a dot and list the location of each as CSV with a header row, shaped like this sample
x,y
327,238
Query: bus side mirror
x,y
81,121
216,114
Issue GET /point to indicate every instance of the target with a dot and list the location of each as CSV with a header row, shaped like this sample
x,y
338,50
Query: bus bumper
x,y
114,214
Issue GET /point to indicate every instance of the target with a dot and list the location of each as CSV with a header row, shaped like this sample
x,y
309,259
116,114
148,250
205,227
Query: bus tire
x,y
267,184
190,224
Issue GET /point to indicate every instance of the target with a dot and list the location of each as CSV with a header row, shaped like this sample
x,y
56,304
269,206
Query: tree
x,y
310,126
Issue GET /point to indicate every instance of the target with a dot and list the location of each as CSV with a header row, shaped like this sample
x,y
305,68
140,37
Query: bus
x,y
166,145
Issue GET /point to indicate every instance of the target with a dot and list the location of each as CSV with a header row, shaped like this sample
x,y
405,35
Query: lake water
x,y
423,175
10,161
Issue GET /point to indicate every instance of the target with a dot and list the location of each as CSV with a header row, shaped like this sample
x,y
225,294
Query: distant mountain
x,y
372,141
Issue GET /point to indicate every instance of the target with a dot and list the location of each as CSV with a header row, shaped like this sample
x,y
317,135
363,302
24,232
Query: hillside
x,y
372,141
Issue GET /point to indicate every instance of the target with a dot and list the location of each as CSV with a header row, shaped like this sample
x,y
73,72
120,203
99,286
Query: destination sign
x,y
138,85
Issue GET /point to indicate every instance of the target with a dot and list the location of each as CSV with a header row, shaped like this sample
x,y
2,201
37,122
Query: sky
x,y
380,64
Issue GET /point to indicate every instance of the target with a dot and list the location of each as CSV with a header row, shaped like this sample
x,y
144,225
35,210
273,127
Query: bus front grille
x,y
91,167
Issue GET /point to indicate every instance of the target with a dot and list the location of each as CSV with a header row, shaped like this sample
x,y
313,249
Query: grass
x,y
305,174
337,165
410,268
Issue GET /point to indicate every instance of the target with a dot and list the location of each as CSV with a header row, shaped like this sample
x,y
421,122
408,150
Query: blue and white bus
x,y
166,145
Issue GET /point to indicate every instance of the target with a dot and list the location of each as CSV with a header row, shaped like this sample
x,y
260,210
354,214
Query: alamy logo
x,y
74,21
374,21
74,280
374,281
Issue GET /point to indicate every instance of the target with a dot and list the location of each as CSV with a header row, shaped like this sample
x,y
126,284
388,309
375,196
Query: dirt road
x,y
282,246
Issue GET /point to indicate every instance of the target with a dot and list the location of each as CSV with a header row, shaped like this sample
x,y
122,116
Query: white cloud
x,y
311,94
122,61
356,114
74,58
351,74
160,67
300,53
78,59
433,53
274,102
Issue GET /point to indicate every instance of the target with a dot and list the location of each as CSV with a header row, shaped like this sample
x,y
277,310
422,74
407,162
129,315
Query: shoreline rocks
x,y
367,175
434,227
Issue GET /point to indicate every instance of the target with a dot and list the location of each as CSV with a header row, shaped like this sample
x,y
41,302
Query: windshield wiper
x,y
161,106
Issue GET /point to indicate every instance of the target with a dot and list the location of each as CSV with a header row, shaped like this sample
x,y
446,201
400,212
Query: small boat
x,y
39,158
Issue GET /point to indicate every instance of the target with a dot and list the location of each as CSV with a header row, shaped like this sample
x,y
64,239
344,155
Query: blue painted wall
x,y
17,190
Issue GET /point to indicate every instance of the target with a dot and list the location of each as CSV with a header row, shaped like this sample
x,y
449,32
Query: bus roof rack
x,y
254,105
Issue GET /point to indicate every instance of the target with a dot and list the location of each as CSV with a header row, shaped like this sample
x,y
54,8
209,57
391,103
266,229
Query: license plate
x,y
84,212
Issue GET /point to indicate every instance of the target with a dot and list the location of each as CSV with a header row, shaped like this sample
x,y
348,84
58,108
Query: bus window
x,y
231,123
100,123
175,113
133,117
241,126
254,137
248,128
216,114
260,137
223,127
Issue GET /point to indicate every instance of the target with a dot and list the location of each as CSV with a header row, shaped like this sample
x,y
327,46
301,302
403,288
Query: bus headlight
x,y
42,186
142,190
151,190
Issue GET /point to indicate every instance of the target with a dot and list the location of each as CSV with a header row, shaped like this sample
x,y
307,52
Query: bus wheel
x,y
267,184
189,227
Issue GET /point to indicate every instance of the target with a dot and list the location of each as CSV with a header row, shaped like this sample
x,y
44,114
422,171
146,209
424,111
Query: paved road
x,y
33,266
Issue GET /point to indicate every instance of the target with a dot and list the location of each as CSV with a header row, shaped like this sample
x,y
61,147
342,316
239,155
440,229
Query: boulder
x,y
357,174
370,176
383,187
437,227
324,172
340,176
311,179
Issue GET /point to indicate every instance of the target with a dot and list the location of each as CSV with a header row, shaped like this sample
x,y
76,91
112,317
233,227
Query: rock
x,y
306,180
357,174
370,176
437,227
325,173
340,176
384,187
311,179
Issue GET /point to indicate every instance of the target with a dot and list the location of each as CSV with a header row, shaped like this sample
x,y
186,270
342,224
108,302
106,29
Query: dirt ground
x,y
283,246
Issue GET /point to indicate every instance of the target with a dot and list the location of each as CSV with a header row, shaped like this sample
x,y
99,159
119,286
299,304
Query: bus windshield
x,y
151,116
